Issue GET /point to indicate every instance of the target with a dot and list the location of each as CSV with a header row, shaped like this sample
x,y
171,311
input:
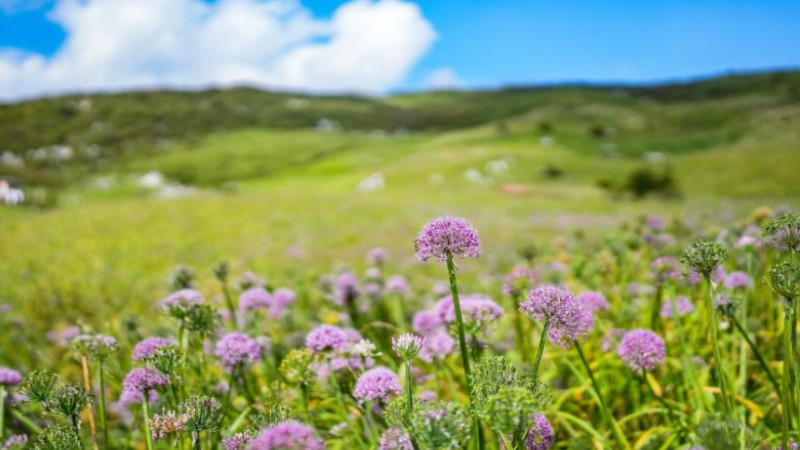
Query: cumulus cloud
x,y
366,46
444,78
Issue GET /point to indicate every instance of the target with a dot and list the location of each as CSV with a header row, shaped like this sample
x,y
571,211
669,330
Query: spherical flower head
x,y
169,423
785,279
147,348
281,299
183,298
287,435
345,288
407,346
704,256
665,268
477,311
593,301
642,350
426,322
254,298
236,442
140,381
394,439
397,284
9,377
783,232
737,280
540,436
568,319
682,304
237,350
95,346
748,242
437,345
447,236
377,256
378,384
520,280
325,338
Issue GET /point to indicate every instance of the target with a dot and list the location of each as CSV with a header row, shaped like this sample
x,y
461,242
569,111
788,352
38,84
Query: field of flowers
x,y
667,334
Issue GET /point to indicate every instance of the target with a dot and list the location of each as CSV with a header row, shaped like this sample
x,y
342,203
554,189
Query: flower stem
x,y
658,397
229,303
304,401
409,391
3,394
757,354
146,420
618,434
101,407
713,325
87,383
787,363
540,349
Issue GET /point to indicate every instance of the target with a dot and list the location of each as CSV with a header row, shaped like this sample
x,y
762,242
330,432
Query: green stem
x,y
229,302
304,401
618,434
757,354
409,391
29,424
723,383
3,394
660,399
101,407
146,420
787,362
540,349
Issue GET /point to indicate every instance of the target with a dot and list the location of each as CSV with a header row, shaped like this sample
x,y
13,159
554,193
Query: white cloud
x,y
444,78
366,46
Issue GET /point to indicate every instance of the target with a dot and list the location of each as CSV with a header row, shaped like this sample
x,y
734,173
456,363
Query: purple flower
x,y
9,377
519,280
345,288
254,298
379,384
147,347
540,436
593,301
642,350
736,280
397,284
447,235
747,241
181,299
682,304
281,299
377,256
426,322
63,337
437,345
287,435
477,310
665,268
568,319
236,442
17,440
141,380
792,446
393,439
327,337
237,350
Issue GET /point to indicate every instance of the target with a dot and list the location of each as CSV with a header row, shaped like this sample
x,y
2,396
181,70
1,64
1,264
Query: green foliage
x,y
440,425
58,438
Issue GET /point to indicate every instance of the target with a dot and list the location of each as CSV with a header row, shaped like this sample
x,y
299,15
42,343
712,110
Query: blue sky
x,y
498,42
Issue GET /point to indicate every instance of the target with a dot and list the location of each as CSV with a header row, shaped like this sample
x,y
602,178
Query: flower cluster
x,y
287,435
642,350
145,349
567,318
447,236
407,346
379,384
9,377
141,381
237,350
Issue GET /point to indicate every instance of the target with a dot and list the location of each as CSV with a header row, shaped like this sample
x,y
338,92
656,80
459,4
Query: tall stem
x,y
229,303
540,349
146,420
786,416
101,407
759,357
304,401
658,397
618,434
87,383
2,409
409,391
713,325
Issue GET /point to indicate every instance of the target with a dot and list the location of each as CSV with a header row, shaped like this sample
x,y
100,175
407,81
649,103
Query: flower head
x,y
736,280
394,439
593,301
783,233
140,381
286,435
447,236
397,284
682,304
407,346
378,384
519,281
236,442
15,442
377,256
437,345
254,298
477,311
704,256
281,299
540,436
182,299
237,350
642,350
785,279
665,268
9,377
148,347
327,337
426,322
95,346
568,319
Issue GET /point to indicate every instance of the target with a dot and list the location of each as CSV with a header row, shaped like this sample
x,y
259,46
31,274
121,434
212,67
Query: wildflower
x,y
377,256
397,284
519,281
203,413
63,337
642,350
407,346
58,437
704,257
735,280
163,425
437,345
345,289
394,439
748,242
477,311
507,411
236,442
237,350
326,337
95,346
9,377
665,268
281,299
147,348
70,400
785,279
379,384
783,233
443,425
249,280
682,304
426,322
540,436
593,301
287,435
567,319
140,381
39,385
447,236
254,298
15,442
177,303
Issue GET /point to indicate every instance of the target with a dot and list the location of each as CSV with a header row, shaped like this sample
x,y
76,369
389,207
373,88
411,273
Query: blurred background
x,y
292,136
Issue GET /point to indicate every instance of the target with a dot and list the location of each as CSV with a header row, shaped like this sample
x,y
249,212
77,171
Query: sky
x,y
382,46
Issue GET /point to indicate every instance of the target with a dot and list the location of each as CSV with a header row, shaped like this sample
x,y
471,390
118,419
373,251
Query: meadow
x,y
267,213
